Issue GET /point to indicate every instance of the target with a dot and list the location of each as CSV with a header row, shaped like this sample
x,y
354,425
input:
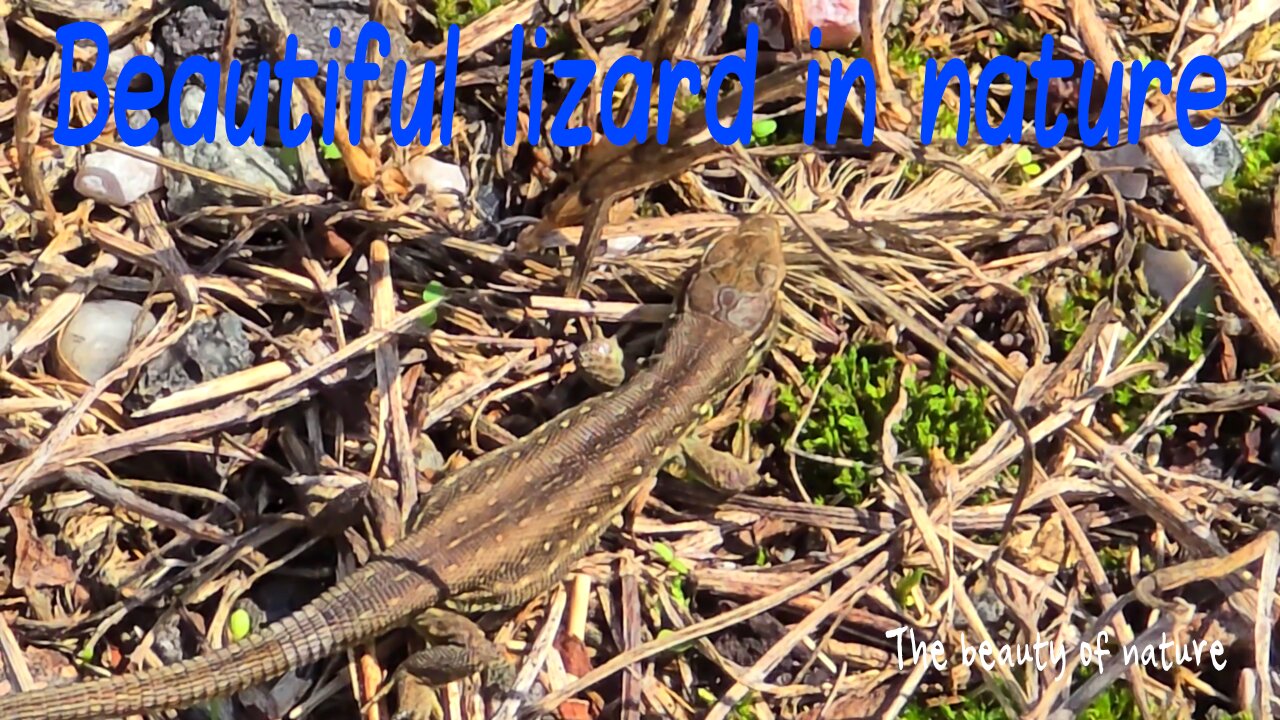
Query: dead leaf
x,y
35,564
574,653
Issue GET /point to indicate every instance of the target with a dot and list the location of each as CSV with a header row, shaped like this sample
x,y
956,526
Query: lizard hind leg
x,y
456,649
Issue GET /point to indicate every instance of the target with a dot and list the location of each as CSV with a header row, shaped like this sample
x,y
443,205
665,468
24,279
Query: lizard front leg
x,y
718,469
600,360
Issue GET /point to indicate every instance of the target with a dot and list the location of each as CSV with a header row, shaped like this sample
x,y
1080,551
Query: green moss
x,y
848,418
449,12
1116,703
1246,196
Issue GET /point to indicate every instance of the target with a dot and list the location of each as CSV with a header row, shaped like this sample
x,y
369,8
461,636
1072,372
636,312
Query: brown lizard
x,y
506,527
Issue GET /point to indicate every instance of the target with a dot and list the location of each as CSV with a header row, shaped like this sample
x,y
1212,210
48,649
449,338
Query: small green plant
x,y
1254,182
977,707
762,130
1071,317
907,58
449,13
688,102
903,588
1114,560
947,125
677,566
1131,401
1116,703
329,151
848,418
1027,161
432,296
741,711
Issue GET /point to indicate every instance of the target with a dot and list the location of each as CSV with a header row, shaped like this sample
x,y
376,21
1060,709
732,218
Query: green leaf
x,y
904,587
1023,156
668,556
677,593
664,552
762,129
329,151
432,295
679,649
240,624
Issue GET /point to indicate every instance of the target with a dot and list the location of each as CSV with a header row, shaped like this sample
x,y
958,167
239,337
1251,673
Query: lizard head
x,y
740,276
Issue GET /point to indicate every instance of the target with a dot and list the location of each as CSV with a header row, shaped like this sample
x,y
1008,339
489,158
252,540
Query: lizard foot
x,y
600,361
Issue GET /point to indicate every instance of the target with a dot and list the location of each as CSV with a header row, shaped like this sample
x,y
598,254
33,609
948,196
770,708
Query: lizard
x,y
506,527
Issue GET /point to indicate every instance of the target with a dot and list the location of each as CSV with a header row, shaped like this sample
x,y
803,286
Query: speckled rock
x,y
250,163
212,348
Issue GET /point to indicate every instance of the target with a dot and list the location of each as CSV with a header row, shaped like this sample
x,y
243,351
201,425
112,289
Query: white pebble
x,y
117,179
97,337
434,175
622,244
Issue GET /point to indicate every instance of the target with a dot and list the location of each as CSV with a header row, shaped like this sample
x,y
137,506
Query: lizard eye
x,y
727,299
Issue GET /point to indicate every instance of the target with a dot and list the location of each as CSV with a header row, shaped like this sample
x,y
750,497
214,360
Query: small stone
x,y
1209,16
622,244
249,162
1230,60
769,17
95,340
837,19
435,176
8,331
1132,185
1167,272
1213,163
12,320
212,348
117,179
119,57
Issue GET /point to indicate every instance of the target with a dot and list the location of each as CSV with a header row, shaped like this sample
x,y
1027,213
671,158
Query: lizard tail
x,y
329,624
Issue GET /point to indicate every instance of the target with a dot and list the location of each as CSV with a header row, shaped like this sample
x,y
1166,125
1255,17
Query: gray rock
x,y
1212,164
97,337
212,348
249,163
1167,272
196,30
1132,185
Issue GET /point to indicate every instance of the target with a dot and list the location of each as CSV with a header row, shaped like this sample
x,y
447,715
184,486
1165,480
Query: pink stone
x,y
837,19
